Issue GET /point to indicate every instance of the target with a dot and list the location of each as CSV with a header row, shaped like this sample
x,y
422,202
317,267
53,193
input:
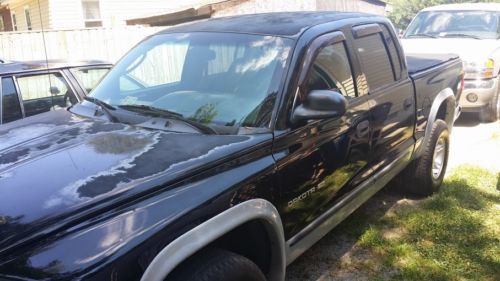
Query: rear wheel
x,y
425,175
220,265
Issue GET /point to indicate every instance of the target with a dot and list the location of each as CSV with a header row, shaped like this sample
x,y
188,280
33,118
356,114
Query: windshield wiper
x,y
103,106
155,111
461,35
421,35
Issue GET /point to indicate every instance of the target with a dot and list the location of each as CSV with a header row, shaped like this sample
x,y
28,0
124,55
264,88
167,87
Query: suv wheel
x,y
425,175
220,265
492,111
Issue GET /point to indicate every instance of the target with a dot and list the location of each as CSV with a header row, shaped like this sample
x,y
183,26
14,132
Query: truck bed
x,y
421,62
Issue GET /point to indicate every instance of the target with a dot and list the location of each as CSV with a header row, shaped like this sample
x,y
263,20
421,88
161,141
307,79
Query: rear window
x,y
11,109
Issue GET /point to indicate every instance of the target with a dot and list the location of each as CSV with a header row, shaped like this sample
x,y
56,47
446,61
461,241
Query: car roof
x,y
466,7
285,24
36,65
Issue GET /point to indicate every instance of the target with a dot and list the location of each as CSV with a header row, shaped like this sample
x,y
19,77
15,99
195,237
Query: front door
x,y
318,161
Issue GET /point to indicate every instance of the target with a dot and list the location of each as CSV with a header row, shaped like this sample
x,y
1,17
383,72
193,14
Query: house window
x,y
14,22
28,17
91,13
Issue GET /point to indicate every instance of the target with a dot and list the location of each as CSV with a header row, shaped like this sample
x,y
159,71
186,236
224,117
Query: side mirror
x,y
320,104
54,90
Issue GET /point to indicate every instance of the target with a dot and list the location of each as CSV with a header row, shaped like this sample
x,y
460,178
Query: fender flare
x,y
194,240
445,96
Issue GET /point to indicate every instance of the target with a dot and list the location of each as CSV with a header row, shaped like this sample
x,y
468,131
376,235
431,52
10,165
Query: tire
x,y
217,265
492,111
422,177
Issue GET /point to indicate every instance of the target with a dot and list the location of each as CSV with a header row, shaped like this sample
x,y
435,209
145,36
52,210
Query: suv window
x,y
391,45
45,92
89,77
375,61
11,109
331,70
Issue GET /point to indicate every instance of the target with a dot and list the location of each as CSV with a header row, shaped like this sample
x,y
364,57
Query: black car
x,y
222,150
33,87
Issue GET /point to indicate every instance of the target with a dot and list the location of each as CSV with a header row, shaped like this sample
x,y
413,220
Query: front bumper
x,y
478,94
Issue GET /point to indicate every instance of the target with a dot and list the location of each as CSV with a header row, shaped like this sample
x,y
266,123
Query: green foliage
x,y
404,10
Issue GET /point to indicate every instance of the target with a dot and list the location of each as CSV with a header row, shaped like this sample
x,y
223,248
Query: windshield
x,y
217,79
473,24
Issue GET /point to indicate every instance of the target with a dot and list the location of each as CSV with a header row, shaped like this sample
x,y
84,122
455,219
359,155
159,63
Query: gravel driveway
x,y
337,257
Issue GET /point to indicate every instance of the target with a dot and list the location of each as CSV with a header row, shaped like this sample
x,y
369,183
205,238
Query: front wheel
x,y
425,174
220,265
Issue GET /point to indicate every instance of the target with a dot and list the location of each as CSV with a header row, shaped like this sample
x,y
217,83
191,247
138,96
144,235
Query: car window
x,y
45,92
89,77
11,109
375,61
331,71
391,45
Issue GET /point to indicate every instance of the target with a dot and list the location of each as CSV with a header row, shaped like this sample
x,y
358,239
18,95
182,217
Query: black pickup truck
x,y
222,150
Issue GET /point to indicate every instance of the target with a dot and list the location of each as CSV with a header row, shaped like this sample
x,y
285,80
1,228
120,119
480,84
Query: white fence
x,y
107,44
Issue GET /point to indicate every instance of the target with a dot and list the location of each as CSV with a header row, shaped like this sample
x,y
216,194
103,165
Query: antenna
x,y
45,48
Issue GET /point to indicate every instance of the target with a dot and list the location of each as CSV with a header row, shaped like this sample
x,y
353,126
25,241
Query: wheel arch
x,y
251,211
443,108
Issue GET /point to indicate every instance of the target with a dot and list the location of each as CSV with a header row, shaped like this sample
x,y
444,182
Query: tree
x,y
403,11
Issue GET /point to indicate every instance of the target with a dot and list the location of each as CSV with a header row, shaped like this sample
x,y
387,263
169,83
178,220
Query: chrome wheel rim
x,y
439,157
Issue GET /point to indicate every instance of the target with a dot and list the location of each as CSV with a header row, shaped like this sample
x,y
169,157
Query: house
x,y
25,15
76,14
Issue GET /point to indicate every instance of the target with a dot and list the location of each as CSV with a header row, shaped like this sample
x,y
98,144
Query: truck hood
x,y
65,167
470,50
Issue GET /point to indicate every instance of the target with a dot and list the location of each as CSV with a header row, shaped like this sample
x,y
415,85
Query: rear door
x,y
317,160
392,103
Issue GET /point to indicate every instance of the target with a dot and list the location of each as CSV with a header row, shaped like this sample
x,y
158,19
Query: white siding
x,y
17,7
115,12
66,14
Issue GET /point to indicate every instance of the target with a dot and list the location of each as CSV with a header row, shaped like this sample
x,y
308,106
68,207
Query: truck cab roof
x,y
284,24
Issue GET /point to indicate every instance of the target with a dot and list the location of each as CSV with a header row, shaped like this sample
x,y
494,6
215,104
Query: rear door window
x,y
45,92
11,108
375,60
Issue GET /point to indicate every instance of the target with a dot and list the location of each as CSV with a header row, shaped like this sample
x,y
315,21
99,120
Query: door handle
x,y
407,103
363,128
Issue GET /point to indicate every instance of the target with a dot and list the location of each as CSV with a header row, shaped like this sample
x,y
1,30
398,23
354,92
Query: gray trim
x,y
331,218
366,30
202,235
445,96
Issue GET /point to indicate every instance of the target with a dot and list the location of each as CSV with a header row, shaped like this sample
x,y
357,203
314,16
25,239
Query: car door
x,y
43,92
9,100
392,101
317,161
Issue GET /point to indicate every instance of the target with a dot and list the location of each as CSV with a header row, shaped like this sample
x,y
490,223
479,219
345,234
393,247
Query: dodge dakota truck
x,y
223,149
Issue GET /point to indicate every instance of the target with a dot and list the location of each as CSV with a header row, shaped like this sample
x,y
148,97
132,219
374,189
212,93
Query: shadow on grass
x,y
453,235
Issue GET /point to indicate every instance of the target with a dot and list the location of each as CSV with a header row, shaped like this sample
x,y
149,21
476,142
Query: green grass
x,y
453,235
